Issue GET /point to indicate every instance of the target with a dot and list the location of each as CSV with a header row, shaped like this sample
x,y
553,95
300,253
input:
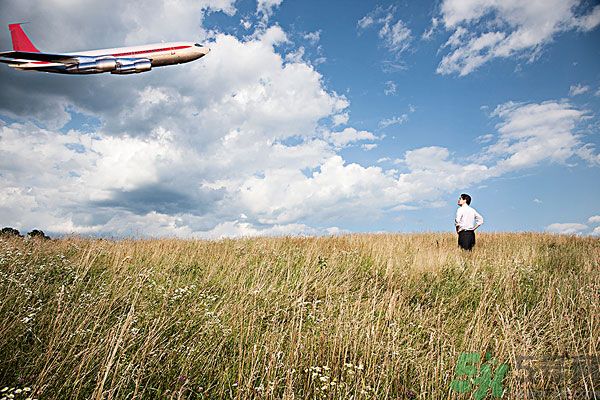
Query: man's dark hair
x,y
466,197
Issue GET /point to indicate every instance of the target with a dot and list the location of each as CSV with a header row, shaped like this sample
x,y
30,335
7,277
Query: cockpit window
x,y
198,45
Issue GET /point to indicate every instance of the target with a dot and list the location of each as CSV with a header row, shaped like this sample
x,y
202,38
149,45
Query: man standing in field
x,y
467,221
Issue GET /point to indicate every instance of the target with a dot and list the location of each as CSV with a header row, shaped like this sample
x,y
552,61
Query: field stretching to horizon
x,y
361,316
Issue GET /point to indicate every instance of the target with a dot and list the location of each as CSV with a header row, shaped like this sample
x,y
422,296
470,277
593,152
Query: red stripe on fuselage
x,y
150,51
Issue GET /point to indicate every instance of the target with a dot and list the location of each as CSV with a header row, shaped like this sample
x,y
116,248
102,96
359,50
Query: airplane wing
x,y
31,56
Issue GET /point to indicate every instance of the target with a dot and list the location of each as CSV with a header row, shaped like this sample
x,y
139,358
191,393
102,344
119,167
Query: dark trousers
x,y
466,239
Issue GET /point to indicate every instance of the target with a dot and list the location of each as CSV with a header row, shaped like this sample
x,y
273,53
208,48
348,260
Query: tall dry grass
x,y
357,316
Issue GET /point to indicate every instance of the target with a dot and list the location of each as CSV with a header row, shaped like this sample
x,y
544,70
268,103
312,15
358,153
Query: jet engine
x,y
134,67
92,66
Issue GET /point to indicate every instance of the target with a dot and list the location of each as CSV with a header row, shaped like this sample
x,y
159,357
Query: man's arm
x,y
478,220
458,219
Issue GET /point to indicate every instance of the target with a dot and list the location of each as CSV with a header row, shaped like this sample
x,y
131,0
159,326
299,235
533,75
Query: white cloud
x,y
280,198
295,56
396,120
340,119
53,184
588,153
243,104
236,228
486,29
578,89
245,24
369,146
313,37
348,136
531,133
596,231
366,21
384,123
537,201
569,228
390,88
488,137
59,25
161,20
319,60
274,36
265,7
595,219
432,172
429,32
228,156
396,36
284,196
589,21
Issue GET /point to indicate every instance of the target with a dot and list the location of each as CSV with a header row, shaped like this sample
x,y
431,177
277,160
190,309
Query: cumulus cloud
x,y
482,30
576,228
340,119
173,146
186,150
56,25
531,133
237,228
164,185
569,228
348,136
284,196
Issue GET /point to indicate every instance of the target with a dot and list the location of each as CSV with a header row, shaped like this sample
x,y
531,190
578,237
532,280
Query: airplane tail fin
x,y
20,40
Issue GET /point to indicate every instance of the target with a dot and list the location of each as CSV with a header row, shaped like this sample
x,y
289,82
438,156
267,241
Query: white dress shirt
x,y
467,218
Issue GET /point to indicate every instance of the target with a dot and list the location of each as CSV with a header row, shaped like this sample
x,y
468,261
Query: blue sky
x,y
308,118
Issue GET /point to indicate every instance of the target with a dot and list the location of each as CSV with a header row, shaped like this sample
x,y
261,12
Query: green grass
x,y
357,316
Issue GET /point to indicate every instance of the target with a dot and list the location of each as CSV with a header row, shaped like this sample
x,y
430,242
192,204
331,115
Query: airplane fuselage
x,y
159,54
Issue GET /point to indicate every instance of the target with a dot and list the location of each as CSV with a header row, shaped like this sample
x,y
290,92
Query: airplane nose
x,y
202,51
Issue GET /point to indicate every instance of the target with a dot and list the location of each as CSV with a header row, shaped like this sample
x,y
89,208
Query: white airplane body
x,y
121,60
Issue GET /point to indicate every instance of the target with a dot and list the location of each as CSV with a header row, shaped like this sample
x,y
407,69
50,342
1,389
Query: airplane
x,y
120,61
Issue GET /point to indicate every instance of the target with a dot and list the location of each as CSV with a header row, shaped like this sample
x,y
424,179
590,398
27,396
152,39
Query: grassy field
x,y
350,317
